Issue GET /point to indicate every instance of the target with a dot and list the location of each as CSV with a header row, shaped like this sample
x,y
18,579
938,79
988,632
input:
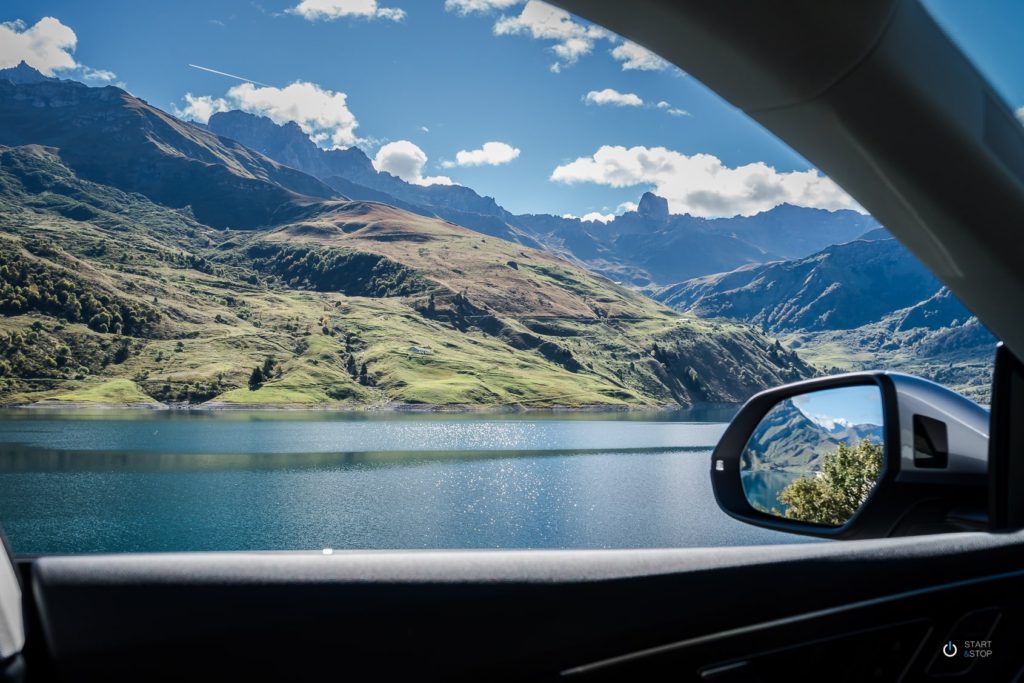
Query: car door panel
x,y
464,614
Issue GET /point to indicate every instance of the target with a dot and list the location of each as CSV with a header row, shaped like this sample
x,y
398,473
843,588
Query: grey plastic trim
x,y
12,627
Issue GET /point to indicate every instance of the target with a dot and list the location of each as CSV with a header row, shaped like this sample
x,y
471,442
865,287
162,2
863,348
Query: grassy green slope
x,y
362,304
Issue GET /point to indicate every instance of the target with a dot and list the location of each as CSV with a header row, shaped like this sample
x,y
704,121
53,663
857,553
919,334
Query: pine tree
x,y
255,379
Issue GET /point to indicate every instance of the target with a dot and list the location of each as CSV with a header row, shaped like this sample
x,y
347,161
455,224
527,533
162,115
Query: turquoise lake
x,y
116,481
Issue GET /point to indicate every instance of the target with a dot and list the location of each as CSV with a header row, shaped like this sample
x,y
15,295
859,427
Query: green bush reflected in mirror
x,y
816,457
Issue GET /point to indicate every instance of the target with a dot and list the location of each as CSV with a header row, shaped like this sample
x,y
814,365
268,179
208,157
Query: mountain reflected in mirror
x,y
816,457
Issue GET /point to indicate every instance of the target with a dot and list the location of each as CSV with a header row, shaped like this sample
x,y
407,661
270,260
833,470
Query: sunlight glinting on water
x,y
350,436
168,482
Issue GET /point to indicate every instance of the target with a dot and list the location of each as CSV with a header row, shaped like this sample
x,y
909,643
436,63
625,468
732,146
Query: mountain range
x,y
107,136
244,197
865,304
147,260
644,248
837,288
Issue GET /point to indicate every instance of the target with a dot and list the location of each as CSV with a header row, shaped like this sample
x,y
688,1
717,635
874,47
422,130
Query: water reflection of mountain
x,y
787,439
20,459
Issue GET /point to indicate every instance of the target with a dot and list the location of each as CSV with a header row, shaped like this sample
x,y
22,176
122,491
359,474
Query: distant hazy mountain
x,y
841,287
650,247
646,247
876,234
796,231
866,304
108,136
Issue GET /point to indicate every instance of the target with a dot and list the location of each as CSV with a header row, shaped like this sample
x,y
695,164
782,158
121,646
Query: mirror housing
x,y
920,489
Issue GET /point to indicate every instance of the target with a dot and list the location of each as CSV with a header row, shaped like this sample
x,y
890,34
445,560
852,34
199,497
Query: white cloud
x,y
424,129
328,10
101,75
635,57
1020,114
490,154
610,96
701,185
544,22
673,111
613,97
626,207
46,46
469,6
200,107
573,39
405,160
597,217
391,13
322,114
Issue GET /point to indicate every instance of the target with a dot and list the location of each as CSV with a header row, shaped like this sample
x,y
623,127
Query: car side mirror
x,y
862,455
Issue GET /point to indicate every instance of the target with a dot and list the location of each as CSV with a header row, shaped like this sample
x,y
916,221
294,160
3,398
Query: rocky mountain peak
x,y
653,207
289,145
23,74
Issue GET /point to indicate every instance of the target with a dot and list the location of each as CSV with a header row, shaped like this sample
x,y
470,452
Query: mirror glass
x,y
816,457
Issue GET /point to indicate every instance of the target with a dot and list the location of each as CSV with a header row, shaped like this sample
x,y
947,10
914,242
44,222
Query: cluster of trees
x,y
833,495
358,372
26,354
185,392
31,286
680,374
186,260
40,354
271,369
336,270
261,373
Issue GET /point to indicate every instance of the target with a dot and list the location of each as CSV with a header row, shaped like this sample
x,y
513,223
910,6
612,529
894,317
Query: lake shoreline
x,y
412,408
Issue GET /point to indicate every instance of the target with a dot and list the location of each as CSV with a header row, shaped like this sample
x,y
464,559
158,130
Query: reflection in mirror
x,y
816,457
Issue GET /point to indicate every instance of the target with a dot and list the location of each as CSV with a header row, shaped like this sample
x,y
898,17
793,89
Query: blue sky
x,y
428,79
991,32
845,405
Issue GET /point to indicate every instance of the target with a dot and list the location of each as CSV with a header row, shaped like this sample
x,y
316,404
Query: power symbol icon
x,y
949,649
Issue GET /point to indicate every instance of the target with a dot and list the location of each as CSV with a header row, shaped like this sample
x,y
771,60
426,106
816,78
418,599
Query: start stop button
x,y
969,640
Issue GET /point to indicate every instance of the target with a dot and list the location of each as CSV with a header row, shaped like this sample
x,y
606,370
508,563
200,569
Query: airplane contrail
x,y
223,73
